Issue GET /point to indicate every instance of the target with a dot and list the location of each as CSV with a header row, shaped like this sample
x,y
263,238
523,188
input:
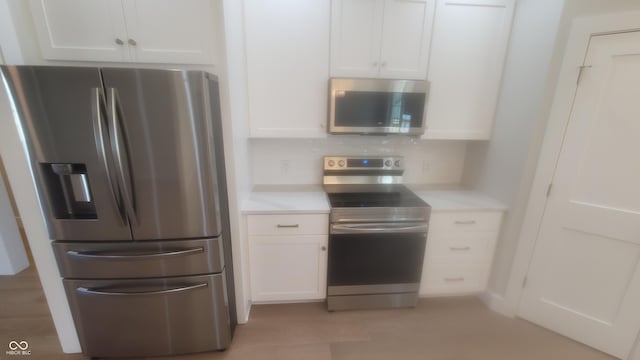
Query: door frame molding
x,y
582,29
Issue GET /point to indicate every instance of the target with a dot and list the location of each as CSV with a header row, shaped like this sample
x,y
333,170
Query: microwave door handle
x,y
99,109
121,150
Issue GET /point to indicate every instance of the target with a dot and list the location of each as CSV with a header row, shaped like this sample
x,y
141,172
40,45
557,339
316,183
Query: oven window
x,y
380,109
370,259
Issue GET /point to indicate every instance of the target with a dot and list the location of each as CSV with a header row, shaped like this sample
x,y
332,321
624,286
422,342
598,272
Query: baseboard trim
x,y
497,303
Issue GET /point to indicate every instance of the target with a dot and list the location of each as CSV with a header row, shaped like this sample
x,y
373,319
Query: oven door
x,y
376,258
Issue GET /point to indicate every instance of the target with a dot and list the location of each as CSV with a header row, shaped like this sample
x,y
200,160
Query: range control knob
x,y
387,163
341,163
332,163
397,163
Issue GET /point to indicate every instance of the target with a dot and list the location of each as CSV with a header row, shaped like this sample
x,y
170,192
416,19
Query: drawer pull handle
x,y
131,256
466,248
465,222
87,291
288,226
455,279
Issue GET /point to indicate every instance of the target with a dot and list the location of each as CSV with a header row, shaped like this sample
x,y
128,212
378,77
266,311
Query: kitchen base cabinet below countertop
x,y
287,257
459,253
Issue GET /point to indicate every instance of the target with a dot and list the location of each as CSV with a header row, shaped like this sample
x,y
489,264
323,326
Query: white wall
x,y
497,167
234,107
505,166
299,161
13,257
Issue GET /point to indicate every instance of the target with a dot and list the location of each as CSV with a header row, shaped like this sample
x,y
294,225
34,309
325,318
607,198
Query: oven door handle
x,y
379,228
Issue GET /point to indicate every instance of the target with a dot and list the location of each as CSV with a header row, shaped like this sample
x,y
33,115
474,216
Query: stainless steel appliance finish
x,y
145,259
151,317
377,234
129,168
377,106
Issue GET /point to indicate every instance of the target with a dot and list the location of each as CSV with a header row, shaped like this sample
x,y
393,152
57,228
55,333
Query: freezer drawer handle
x,y
103,256
85,291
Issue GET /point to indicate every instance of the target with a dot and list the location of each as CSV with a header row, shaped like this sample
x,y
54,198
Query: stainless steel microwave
x,y
377,106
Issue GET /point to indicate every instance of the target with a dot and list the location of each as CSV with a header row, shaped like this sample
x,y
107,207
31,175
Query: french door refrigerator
x,y
129,168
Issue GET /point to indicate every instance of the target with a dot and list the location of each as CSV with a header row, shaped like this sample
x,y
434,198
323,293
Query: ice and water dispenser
x,y
69,191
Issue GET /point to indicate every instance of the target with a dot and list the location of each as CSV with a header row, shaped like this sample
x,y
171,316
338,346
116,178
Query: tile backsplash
x,y
299,161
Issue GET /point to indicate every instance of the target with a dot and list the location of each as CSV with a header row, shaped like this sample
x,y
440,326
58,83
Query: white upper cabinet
x,y
151,31
467,55
173,31
81,30
287,48
381,38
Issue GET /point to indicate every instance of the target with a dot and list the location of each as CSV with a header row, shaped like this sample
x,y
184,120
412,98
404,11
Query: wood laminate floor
x,y
438,329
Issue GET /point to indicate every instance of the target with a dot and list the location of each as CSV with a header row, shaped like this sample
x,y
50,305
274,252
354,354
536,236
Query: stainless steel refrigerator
x,y
129,168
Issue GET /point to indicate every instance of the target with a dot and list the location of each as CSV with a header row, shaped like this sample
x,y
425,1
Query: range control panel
x,y
338,163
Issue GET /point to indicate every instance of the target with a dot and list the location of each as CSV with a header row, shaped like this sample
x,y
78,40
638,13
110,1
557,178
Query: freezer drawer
x,y
145,259
151,317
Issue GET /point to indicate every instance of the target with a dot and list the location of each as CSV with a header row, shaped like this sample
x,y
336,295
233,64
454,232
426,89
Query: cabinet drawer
x,y
455,247
154,310
441,279
465,221
285,224
145,259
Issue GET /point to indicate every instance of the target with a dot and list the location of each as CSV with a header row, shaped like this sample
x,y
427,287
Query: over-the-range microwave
x,y
377,106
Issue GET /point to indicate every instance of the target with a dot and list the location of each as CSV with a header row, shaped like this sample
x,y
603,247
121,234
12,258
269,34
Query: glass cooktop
x,y
353,196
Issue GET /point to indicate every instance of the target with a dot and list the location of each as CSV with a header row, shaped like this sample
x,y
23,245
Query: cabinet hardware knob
x,y
324,248
467,222
466,248
288,226
132,42
119,41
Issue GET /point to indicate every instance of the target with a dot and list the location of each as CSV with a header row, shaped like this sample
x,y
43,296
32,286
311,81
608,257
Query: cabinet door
x,y
287,67
356,31
406,36
171,31
90,30
288,268
467,55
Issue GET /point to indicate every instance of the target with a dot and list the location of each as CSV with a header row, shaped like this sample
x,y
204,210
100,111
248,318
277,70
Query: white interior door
x,y
584,277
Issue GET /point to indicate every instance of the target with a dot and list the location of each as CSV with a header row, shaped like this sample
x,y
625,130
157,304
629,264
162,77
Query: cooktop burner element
x,y
377,236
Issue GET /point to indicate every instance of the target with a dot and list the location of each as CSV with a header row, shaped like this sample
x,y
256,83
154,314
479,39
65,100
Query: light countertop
x,y
312,199
274,199
459,200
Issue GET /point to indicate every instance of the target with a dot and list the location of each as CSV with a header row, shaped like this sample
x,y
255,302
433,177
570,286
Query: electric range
x,y
378,231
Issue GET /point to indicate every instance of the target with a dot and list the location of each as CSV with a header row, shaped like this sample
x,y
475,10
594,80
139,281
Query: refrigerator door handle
x,y
86,291
99,108
121,152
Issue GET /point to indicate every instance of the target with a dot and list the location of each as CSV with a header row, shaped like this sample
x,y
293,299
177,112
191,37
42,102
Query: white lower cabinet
x,y
288,257
459,252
